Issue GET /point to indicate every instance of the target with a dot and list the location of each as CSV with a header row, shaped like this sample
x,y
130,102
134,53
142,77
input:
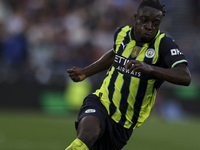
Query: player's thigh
x,y
89,130
89,125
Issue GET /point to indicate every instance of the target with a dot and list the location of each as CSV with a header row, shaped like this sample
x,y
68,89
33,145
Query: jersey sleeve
x,y
115,38
170,55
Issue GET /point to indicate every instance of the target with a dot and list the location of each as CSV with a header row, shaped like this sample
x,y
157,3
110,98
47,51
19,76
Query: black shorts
x,y
113,136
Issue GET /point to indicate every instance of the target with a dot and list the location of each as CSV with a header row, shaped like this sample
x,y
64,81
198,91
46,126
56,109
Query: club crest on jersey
x,y
150,53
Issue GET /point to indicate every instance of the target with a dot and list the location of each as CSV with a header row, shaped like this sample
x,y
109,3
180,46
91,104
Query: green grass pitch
x,y
36,131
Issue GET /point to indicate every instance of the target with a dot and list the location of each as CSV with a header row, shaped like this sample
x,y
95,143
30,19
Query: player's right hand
x,y
76,74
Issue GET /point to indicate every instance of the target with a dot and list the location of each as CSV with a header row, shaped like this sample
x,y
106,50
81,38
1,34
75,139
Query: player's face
x,y
147,22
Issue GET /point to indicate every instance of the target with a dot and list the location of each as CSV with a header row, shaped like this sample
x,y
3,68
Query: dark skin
x,y
146,26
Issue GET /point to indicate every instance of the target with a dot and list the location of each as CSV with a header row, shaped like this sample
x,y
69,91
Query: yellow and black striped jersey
x,y
130,96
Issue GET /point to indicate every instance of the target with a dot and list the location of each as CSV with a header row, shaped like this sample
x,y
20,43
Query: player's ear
x,y
134,17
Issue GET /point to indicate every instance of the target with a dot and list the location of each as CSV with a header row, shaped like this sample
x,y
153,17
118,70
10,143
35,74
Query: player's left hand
x,y
135,65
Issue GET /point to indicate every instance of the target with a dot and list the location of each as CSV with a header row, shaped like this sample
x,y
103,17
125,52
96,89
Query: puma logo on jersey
x,y
123,45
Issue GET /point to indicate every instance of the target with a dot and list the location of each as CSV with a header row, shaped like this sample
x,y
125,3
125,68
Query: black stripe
x,y
111,89
125,93
139,100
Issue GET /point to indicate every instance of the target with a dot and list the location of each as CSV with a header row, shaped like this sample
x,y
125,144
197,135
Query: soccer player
x,y
142,58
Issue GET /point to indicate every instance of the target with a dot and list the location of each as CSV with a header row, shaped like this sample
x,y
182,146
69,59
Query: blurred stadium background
x,y
41,39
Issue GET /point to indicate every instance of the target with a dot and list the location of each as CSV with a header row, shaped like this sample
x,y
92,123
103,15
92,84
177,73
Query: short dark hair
x,y
154,4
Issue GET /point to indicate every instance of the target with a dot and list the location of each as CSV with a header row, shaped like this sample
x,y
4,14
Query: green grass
x,y
156,134
36,131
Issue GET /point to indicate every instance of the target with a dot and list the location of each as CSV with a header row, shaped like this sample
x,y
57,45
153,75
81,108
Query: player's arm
x,y
78,74
180,74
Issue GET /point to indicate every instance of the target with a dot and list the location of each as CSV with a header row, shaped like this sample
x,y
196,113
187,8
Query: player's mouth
x,y
147,34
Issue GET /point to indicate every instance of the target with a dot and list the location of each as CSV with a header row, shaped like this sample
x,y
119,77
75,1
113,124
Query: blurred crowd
x,y
41,39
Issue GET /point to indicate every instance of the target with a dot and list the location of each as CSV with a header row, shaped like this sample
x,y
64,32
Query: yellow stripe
x,y
129,49
156,45
117,115
120,37
141,55
117,96
178,62
104,89
131,100
147,104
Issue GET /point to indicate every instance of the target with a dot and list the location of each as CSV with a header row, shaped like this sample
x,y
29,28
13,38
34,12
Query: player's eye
x,y
156,23
143,19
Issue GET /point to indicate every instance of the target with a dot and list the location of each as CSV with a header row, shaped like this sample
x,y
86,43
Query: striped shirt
x,y
130,96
